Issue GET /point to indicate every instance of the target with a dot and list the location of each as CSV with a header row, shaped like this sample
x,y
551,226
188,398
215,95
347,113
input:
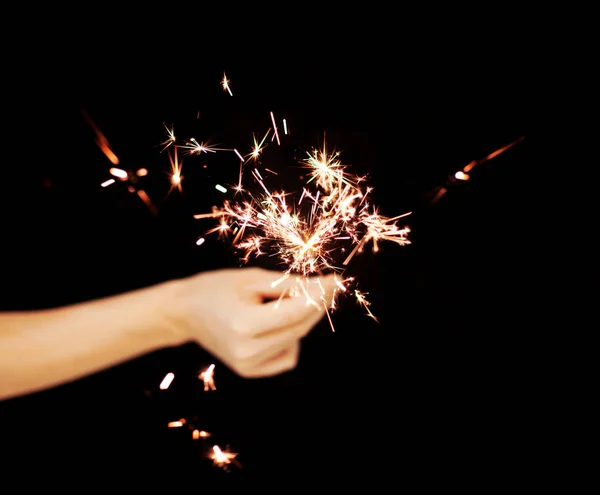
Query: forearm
x,y
41,349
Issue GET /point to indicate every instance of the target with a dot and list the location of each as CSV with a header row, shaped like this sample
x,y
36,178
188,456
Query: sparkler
x,y
333,215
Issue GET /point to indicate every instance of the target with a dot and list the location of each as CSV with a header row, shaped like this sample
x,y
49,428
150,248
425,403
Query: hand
x,y
242,319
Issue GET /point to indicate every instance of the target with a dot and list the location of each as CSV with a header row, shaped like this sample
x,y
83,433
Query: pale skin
x,y
235,314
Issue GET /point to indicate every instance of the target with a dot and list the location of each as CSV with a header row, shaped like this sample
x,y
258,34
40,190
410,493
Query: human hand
x,y
251,325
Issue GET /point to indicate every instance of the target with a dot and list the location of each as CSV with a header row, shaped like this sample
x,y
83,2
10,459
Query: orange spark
x,y
101,140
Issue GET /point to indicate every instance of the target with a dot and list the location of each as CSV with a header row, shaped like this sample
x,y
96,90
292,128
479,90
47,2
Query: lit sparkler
x,y
308,236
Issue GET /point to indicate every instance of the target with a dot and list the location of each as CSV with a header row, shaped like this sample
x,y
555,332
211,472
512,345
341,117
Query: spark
x,y
208,377
119,173
170,138
194,147
108,182
198,434
220,188
175,172
257,147
239,156
225,84
222,458
285,129
467,168
275,128
146,200
200,241
101,140
176,424
360,297
167,380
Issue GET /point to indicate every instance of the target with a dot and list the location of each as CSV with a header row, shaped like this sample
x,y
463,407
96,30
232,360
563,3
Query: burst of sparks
x,y
194,147
309,235
170,138
257,147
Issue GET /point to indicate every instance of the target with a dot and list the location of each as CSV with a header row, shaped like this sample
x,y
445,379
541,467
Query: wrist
x,y
168,320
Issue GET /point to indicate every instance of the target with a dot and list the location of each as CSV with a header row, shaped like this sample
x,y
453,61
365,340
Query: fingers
x,y
263,347
284,360
252,352
307,307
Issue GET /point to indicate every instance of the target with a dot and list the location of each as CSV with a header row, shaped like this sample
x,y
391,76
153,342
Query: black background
x,y
437,390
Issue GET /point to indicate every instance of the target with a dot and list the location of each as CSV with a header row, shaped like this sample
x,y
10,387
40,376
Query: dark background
x,y
439,388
